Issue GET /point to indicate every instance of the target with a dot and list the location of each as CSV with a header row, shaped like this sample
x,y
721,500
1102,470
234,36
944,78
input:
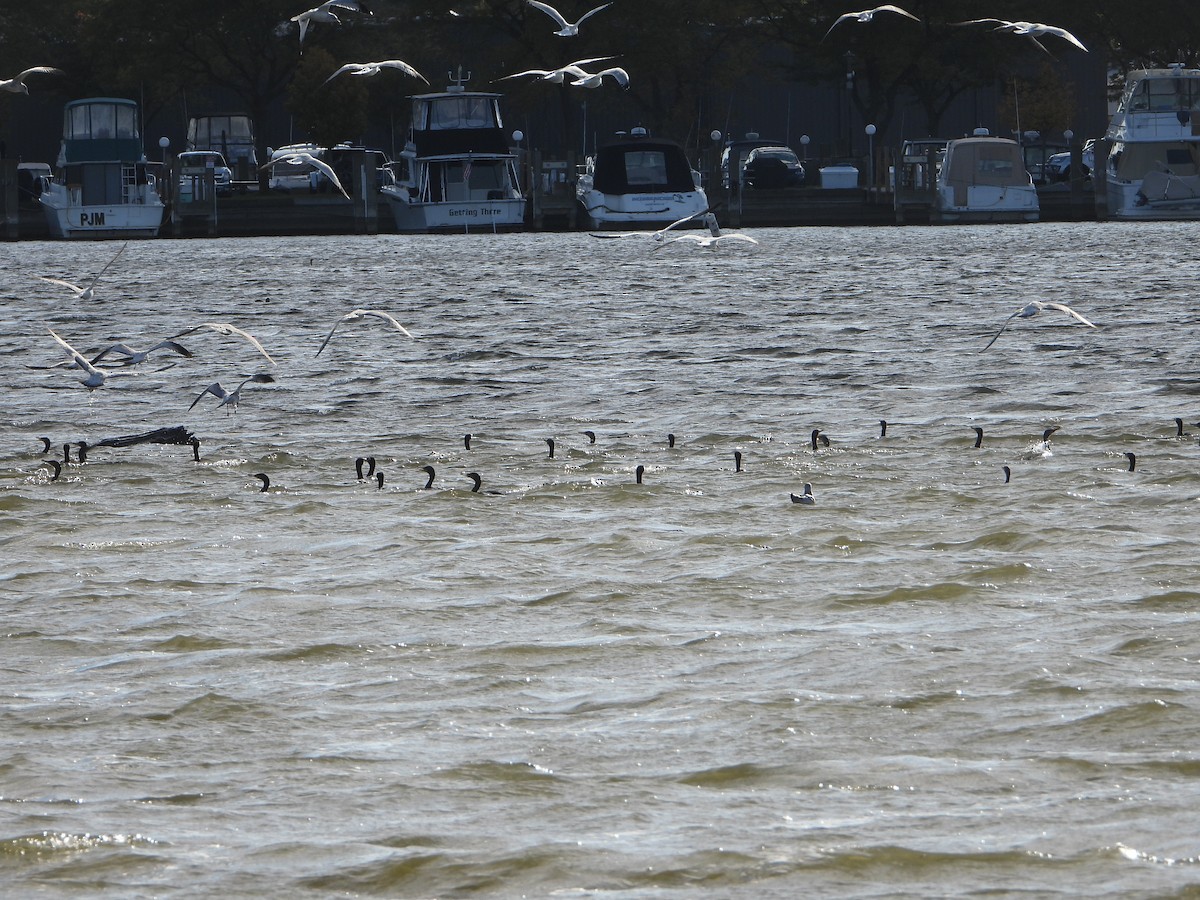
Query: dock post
x,y
9,199
536,216
366,196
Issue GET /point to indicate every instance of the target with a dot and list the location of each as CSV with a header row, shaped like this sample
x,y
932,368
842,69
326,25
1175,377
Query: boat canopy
x,y
642,167
989,161
101,128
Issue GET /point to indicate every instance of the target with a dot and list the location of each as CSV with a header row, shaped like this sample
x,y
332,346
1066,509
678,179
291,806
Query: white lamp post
x,y
164,143
870,130
804,140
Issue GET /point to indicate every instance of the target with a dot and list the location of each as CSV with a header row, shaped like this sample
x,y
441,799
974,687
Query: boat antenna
x,y
1017,107
460,79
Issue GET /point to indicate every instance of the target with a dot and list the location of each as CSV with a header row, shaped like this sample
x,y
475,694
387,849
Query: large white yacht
x,y
1155,146
456,172
102,186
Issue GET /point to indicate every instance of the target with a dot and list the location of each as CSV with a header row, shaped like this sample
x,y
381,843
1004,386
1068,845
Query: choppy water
x,y
932,683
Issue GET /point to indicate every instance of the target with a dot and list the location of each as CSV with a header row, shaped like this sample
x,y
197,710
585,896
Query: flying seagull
x,y
374,68
229,331
867,15
302,158
1032,30
95,377
16,85
557,76
616,73
358,314
708,240
326,15
134,357
1032,309
89,292
565,28
231,397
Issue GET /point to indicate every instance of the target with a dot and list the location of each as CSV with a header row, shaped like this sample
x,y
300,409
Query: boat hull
x,y
100,222
624,211
456,215
988,205
1155,198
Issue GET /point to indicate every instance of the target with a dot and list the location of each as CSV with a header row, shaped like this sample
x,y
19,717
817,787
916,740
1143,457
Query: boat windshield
x,y
445,113
101,121
1169,93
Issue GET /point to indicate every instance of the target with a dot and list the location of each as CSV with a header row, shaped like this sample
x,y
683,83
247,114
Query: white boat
x,y
639,181
456,172
983,179
1153,158
103,187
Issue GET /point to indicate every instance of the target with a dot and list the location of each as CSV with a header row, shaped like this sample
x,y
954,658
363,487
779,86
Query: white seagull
x,y
807,497
565,28
95,377
374,68
867,15
708,240
89,292
358,314
229,331
1031,30
16,85
231,397
134,357
1032,309
325,14
303,158
619,75
557,76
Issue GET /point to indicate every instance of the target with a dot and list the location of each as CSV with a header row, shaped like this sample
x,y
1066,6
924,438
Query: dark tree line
x,y
681,54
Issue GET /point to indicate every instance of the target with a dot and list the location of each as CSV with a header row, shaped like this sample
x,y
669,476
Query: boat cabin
x,y
230,134
101,155
102,129
639,164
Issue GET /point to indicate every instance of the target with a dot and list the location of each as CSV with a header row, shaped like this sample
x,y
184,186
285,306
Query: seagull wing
x,y
896,9
348,67
1002,327
1070,312
592,12
79,358
229,330
110,262
983,22
327,170
1065,35
387,317
215,389
550,11
345,318
403,67
76,288
840,19
732,237
538,72
171,345
115,348
39,70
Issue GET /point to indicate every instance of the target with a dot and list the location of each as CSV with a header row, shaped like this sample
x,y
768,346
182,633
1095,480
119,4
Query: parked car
x,y
733,157
1058,166
193,162
772,168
